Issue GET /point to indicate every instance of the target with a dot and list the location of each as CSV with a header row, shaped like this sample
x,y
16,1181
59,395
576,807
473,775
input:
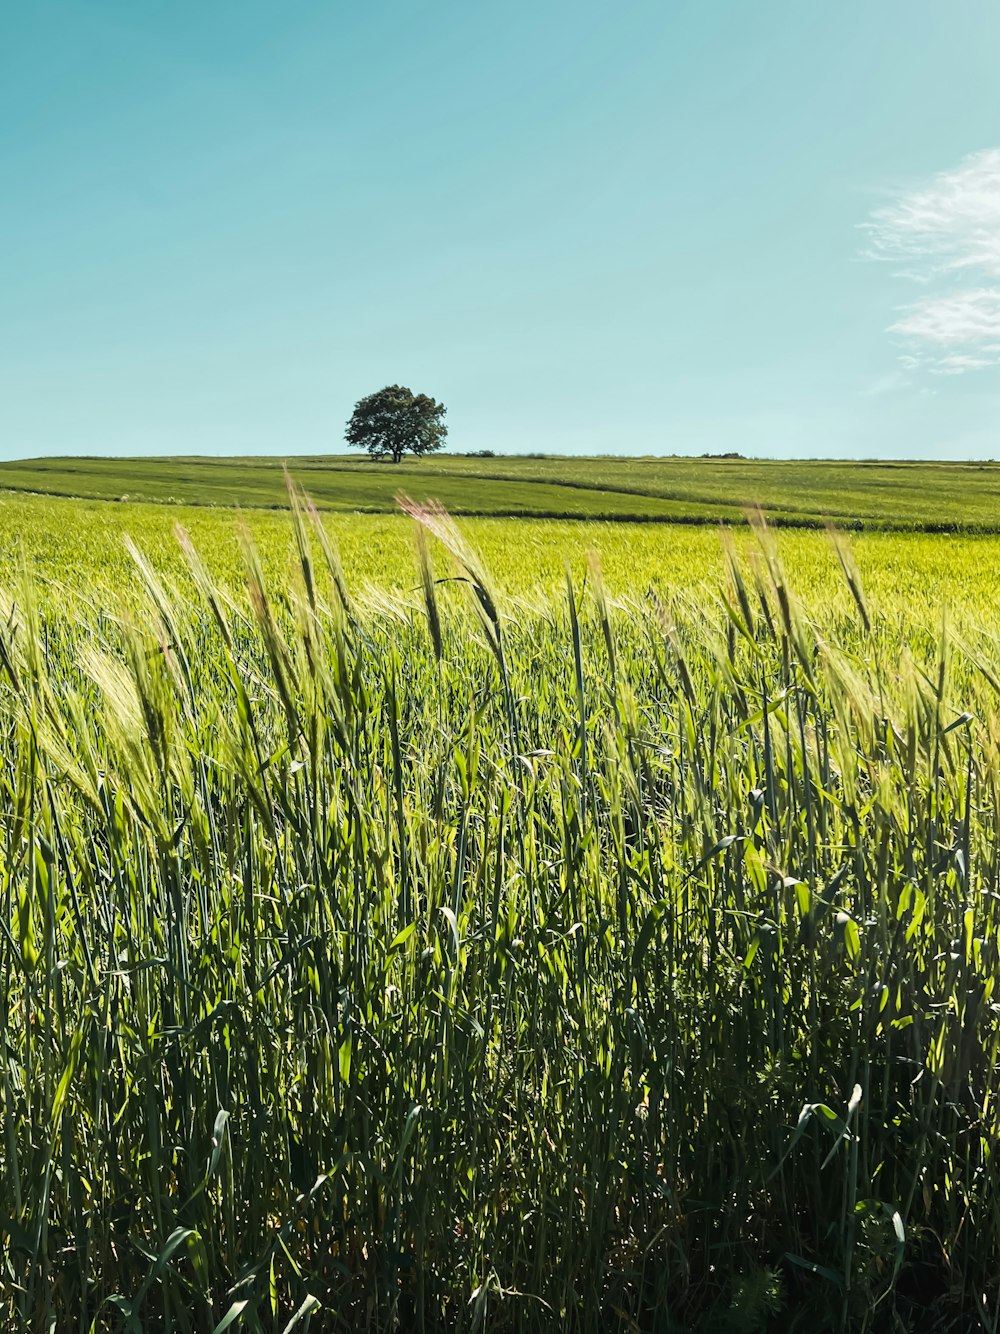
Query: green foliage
x,y
395,421
437,959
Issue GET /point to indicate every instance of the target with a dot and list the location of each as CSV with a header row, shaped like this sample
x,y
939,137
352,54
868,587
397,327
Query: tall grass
x,y
435,966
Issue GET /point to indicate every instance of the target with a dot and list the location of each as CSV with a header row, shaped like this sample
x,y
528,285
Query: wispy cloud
x,y
945,235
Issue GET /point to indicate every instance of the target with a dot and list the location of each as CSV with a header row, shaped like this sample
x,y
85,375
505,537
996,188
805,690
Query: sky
x,y
640,227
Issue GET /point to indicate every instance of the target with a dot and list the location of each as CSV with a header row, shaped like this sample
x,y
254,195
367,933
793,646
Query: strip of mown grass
x,y
928,496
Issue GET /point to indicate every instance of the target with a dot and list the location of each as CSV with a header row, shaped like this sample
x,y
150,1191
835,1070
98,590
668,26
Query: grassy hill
x,y
929,496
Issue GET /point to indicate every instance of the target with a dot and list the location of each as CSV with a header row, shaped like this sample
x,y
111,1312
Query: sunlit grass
x,y
495,953
921,495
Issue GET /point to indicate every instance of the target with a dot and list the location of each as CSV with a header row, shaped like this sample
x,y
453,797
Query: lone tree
x,y
396,421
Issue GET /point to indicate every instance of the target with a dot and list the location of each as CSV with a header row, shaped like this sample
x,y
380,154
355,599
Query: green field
x,y
72,548
411,941
932,496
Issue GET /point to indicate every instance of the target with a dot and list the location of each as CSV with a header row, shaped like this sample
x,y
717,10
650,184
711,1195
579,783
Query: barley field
x,y
420,926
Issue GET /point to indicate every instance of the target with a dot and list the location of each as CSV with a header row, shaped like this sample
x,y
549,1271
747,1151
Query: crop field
x,y
929,496
500,925
75,550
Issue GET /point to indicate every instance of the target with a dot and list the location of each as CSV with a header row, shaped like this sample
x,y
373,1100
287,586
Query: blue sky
x,y
641,227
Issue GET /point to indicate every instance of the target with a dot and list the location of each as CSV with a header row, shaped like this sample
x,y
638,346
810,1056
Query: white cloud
x,y
945,235
964,319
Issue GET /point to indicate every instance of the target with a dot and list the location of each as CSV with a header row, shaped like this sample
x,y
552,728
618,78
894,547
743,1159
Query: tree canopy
x,y
396,421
